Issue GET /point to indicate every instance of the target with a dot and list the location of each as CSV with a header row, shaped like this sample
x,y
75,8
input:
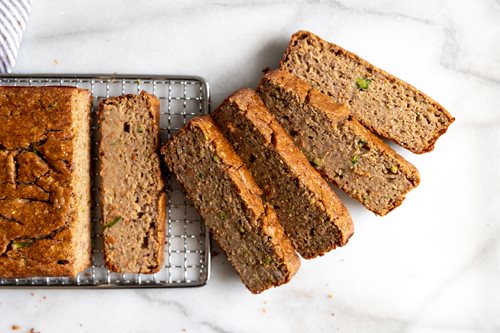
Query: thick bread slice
x,y
341,149
383,103
228,199
313,217
132,188
44,181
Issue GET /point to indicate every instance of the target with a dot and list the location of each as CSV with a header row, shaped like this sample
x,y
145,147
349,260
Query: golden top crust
x,y
29,114
36,170
300,88
304,93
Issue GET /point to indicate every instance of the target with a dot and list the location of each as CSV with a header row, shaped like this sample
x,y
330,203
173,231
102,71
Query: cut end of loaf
x,y
81,182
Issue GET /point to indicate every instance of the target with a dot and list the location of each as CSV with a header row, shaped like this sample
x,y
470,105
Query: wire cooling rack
x,y
187,248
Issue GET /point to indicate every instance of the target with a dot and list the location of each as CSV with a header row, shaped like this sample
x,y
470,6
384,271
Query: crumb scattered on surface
x,y
56,61
330,295
184,330
32,294
32,330
265,302
15,327
264,311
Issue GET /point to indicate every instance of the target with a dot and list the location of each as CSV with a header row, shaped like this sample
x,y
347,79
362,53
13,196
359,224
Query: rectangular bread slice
x,y
340,148
313,217
383,103
132,189
44,181
229,201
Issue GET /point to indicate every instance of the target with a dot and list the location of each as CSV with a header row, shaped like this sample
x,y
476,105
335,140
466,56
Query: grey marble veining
x,y
432,265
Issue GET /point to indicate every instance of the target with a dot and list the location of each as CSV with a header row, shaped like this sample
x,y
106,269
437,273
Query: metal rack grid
x,y
187,248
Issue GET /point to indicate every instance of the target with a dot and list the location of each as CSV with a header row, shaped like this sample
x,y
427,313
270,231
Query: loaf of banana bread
x,y
132,189
44,181
229,201
313,217
340,148
383,103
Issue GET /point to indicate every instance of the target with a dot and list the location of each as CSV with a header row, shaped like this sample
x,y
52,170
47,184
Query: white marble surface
x,y
433,265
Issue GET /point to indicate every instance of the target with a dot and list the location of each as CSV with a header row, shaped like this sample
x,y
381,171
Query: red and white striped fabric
x,y
14,15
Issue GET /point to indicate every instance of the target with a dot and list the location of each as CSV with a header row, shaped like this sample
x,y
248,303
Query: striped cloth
x,y
14,15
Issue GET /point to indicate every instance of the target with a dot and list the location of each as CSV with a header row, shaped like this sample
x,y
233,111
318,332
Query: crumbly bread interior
x,y
132,187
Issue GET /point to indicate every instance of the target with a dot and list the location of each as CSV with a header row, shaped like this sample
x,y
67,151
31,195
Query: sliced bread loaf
x,y
338,146
44,181
229,201
383,103
132,190
313,217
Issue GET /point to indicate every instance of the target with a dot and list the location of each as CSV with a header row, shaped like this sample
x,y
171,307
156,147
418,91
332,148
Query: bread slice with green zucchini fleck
x,y
132,189
383,103
313,217
340,148
229,201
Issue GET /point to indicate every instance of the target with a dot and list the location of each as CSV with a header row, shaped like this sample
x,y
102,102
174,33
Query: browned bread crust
x,y
229,201
340,148
383,103
44,181
313,217
132,187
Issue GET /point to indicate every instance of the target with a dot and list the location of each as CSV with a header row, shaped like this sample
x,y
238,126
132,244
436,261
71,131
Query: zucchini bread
x,y
44,181
340,148
229,201
133,203
313,217
383,103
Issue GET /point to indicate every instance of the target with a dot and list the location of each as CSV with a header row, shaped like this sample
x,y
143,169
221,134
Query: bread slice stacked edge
x,y
384,104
